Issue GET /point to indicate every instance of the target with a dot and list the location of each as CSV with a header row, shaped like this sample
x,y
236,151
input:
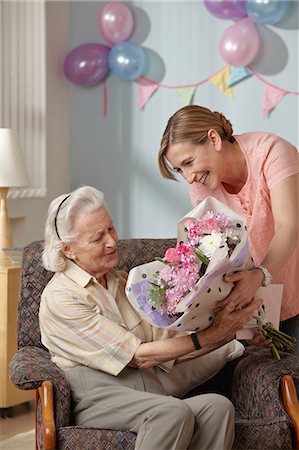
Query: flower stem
x,y
280,340
269,326
275,352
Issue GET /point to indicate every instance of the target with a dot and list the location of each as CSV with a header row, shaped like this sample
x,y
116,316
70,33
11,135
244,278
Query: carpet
x,y
21,441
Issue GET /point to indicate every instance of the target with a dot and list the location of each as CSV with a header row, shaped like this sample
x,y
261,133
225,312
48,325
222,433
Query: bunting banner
x,y
272,96
186,95
224,79
146,89
238,74
220,79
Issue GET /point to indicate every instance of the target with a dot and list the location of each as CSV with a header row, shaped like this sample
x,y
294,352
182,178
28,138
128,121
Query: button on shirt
x,y
84,323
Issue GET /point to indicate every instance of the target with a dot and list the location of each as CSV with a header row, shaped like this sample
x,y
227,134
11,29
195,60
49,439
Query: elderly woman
x,y
121,369
257,175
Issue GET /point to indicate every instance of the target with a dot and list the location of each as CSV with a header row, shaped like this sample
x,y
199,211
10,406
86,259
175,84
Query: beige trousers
x,y
136,400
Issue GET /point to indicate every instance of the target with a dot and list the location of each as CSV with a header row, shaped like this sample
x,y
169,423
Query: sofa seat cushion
x,y
80,438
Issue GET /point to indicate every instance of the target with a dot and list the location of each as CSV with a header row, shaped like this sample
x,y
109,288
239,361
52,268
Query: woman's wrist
x,y
209,338
195,340
266,275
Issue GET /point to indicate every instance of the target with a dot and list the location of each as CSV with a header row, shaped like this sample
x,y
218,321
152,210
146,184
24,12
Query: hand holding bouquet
x,y
181,290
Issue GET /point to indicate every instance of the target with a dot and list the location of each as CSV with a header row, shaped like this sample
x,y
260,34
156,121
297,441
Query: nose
x,y
110,241
189,177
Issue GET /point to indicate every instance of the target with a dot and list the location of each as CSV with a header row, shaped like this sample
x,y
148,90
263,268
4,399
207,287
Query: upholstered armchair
x,y
261,389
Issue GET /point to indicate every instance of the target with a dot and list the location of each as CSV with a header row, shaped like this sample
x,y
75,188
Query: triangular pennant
x,y
272,95
237,74
186,95
221,79
146,89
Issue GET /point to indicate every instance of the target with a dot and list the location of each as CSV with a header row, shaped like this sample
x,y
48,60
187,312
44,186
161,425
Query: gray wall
x,y
118,153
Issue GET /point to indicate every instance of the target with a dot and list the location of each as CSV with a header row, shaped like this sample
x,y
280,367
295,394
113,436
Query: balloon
x,y
227,9
127,61
87,64
240,43
115,22
267,12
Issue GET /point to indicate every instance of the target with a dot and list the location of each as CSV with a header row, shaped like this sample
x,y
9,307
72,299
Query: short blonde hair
x,y
59,227
191,124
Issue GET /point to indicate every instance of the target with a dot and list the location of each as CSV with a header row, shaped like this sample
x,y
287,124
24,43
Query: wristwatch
x,y
267,275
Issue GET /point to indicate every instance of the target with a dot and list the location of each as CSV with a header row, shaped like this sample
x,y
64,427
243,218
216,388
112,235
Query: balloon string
x,y
105,98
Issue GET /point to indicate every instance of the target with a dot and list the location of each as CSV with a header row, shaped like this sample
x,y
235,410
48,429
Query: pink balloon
x,y
115,22
240,43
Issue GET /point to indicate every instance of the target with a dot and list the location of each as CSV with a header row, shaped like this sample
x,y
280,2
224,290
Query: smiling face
x,y
202,163
94,250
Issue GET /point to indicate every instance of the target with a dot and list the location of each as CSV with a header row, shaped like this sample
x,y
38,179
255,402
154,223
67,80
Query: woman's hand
x,y
260,341
247,283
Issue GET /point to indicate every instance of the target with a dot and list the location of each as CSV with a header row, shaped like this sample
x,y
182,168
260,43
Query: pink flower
x,y
187,261
210,225
223,221
182,282
189,223
185,252
172,256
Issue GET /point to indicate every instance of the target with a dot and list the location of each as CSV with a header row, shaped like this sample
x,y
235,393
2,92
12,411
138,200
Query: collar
x,y
75,273
83,278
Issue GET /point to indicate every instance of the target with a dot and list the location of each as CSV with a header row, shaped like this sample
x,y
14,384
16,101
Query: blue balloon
x,y
266,12
127,61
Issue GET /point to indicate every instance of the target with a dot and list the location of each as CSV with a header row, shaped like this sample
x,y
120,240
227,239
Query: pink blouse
x,y
270,159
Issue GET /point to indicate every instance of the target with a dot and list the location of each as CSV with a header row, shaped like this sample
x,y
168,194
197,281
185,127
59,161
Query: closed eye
x,y
184,164
176,169
188,163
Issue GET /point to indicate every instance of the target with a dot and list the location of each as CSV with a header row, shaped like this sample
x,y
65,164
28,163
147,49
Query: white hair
x,y
59,228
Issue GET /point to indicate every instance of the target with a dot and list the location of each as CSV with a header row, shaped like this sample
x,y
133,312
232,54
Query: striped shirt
x,y
83,323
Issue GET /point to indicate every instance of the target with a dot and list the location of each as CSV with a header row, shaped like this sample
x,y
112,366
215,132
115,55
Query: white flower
x,y
210,243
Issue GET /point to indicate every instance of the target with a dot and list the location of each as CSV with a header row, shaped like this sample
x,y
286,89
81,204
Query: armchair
x,y
252,382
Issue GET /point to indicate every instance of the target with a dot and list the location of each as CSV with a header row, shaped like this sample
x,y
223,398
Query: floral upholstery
x,y
252,382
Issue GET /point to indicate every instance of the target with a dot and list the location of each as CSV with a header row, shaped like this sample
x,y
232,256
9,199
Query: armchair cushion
x,y
76,438
30,366
256,383
261,418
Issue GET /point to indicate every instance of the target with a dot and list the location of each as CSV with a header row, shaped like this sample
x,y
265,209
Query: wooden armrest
x,y
45,394
291,404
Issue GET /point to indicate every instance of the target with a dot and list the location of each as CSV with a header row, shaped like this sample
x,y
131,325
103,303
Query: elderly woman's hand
x,y
228,321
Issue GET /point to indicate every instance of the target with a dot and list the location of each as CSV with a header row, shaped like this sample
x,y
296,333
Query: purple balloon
x,y
227,9
87,64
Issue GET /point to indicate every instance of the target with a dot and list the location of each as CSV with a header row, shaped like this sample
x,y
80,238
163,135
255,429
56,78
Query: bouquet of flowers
x,y
180,290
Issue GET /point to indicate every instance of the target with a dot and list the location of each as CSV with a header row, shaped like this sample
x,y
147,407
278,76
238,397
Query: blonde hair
x,y
59,228
191,124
